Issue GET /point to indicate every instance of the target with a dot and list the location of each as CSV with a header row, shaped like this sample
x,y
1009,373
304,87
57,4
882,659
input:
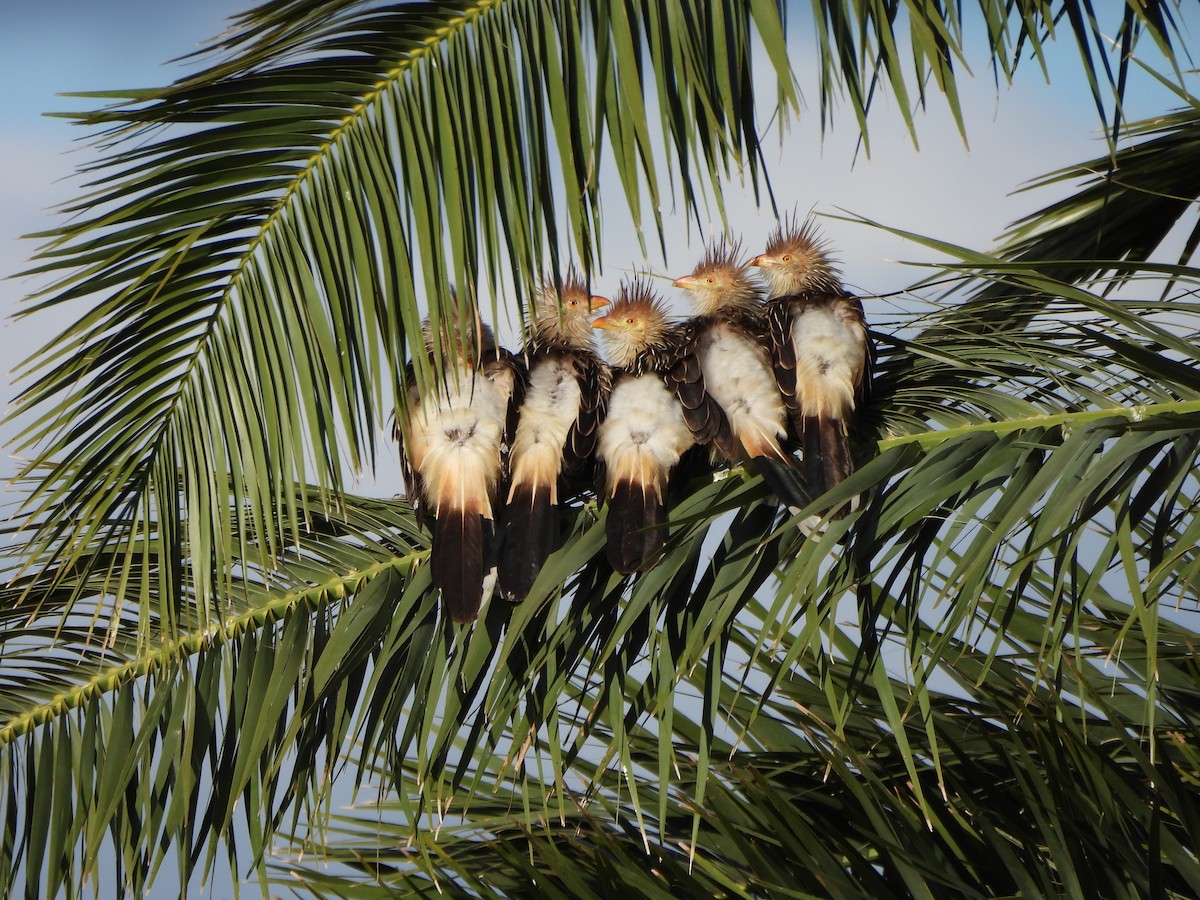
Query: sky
x,y
48,49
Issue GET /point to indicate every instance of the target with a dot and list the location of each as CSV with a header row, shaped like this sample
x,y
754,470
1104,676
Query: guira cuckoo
x,y
659,409
453,433
822,350
557,429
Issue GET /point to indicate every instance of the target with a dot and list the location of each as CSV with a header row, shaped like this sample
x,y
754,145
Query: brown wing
x,y
510,373
680,367
783,358
413,486
753,323
595,386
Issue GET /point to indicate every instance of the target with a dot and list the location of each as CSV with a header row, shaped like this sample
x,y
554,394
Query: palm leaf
x,y
801,807
205,621
862,50
991,525
260,272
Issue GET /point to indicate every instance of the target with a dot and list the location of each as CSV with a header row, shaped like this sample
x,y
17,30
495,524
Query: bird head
x,y
797,260
636,322
460,334
565,313
720,281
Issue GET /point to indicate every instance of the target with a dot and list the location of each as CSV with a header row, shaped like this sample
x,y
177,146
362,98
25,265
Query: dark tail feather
x,y
529,533
694,463
457,559
635,525
827,458
784,480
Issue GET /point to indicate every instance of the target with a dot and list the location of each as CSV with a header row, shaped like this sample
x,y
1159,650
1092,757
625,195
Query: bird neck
x,y
555,328
625,349
708,303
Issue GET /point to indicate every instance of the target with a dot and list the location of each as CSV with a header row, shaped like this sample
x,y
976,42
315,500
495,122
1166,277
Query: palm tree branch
x,y
170,653
310,247
929,439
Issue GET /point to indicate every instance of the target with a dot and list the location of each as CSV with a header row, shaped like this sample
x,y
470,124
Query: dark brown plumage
x,y
734,350
821,348
659,409
452,433
556,432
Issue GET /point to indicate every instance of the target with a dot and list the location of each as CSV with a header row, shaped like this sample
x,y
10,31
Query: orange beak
x,y
760,261
685,282
602,322
596,302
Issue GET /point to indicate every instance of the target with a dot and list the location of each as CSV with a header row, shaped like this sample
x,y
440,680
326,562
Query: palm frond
x,y
169,734
909,48
1126,208
815,797
205,621
261,264
1010,535
1022,577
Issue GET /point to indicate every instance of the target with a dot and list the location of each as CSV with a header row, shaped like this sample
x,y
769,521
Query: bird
x,y
659,410
821,348
557,428
732,342
453,431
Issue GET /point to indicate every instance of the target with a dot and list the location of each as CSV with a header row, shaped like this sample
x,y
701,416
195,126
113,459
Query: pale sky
x,y
943,189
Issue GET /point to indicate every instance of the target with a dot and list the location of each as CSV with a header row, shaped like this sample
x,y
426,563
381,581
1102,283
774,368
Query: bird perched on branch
x,y
452,432
730,334
557,429
822,350
659,409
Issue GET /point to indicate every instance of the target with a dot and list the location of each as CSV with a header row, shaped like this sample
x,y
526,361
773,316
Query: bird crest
x,y
457,334
635,322
563,313
798,260
457,341
719,280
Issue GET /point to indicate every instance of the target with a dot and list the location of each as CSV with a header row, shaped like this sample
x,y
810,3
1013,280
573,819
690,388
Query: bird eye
x,y
787,257
572,303
631,321
711,280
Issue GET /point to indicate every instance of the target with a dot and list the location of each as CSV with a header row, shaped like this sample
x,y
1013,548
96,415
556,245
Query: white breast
x,y
830,355
454,441
550,408
744,385
644,434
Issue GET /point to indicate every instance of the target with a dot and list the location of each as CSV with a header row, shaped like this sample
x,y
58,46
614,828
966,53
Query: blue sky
x,y
55,47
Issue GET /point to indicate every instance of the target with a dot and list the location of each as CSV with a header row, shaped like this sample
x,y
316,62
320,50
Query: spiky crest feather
x,y
797,261
719,281
452,341
562,314
636,322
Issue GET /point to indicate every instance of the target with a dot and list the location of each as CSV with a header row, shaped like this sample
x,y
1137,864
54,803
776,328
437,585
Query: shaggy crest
x,y
636,322
565,314
452,340
720,281
797,260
